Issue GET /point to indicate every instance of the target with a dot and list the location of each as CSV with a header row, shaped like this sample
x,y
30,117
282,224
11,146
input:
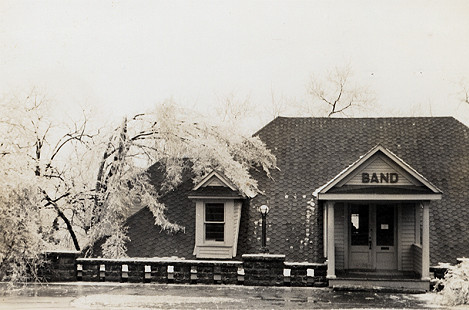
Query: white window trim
x,y
217,249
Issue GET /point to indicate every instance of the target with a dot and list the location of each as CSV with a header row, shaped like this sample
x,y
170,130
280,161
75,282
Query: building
x,y
373,194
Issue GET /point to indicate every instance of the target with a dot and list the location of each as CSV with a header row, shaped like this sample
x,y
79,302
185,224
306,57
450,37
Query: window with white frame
x,y
214,222
216,227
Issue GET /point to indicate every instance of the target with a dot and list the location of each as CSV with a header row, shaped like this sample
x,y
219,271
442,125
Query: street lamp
x,y
264,210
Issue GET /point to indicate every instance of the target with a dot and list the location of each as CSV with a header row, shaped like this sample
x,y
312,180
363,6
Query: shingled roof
x,y
312,151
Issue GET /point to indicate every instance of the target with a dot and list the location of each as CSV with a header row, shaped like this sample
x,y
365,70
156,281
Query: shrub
x,y
456,285
21,242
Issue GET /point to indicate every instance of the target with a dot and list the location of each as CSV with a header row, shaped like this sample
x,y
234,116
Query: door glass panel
x,y
385,225
359,222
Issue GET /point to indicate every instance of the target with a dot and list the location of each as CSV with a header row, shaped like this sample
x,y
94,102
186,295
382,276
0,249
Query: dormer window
x,y
217,217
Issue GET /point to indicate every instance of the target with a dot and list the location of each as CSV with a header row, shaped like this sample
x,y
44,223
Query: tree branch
x,y
53,202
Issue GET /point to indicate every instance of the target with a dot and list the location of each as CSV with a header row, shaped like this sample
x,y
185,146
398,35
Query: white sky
x,y
124,56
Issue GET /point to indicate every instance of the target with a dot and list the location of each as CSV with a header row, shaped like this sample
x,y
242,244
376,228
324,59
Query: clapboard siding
x,y
214,252
378,166
417,253
407,235
236,222
339,236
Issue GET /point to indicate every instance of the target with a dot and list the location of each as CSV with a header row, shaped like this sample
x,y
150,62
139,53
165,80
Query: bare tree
x,y
278,104
338,92
466,94
234,108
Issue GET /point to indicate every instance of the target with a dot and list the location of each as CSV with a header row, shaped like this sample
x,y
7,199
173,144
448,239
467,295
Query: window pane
x,y
385,225
359,222
215,232
214,212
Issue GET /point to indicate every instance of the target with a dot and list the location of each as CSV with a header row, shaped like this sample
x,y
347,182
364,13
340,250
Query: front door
x,y
385,240
372,236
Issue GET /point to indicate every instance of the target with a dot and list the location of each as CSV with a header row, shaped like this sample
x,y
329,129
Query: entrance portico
x,y
377,217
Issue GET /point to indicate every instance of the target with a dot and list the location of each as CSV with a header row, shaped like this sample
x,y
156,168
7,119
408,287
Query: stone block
x,y
112,272
159,273
136,272
90,272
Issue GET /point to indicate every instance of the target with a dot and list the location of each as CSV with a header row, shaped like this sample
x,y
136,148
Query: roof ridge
x,y
349,119
364,117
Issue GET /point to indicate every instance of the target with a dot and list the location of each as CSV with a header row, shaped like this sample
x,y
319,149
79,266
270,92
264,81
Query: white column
x,y
426,241
330,241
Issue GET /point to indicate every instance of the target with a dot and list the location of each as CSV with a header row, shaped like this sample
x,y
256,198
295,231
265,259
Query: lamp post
x,y
264,210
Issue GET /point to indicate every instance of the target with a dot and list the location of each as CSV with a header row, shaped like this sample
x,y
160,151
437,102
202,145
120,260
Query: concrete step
x,y
395,285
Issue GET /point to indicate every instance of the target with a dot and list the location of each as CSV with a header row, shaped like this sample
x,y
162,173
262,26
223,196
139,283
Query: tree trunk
x,y
69,226
62,216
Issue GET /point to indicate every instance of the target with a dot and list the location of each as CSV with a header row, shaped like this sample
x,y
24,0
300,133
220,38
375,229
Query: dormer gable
x,y
215,178
215,185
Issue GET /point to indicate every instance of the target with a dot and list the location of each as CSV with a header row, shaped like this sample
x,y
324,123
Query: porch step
x,y
382,285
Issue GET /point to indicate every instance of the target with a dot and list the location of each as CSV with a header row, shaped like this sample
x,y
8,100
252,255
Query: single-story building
x,y
373,195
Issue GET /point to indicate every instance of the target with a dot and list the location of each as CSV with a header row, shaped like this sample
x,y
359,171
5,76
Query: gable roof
x,y
414,175
315,150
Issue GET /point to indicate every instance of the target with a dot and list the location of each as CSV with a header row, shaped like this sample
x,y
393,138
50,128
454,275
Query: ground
x,y
79,295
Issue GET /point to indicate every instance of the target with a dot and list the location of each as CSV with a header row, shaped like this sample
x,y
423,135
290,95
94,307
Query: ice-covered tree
x,y
177,141
21,241
38,158
455,284
81,185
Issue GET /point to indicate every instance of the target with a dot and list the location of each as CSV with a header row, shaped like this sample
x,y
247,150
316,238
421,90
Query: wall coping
x,y
156,260
263,257
61,252
305,264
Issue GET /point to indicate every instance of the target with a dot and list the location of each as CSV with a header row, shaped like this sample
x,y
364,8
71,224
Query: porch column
x,y
425,240
330,241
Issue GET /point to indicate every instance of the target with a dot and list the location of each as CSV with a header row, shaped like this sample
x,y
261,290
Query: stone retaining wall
x,y
59,266
159,271
255,269
264,269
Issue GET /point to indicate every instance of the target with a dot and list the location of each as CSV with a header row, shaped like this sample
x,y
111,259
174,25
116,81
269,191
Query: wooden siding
x,y
339,236
378,166
417,255
214,252
214,181
407,236
236,222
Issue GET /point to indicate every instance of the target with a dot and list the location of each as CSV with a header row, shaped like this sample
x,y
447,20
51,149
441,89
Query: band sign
x,y
381,178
